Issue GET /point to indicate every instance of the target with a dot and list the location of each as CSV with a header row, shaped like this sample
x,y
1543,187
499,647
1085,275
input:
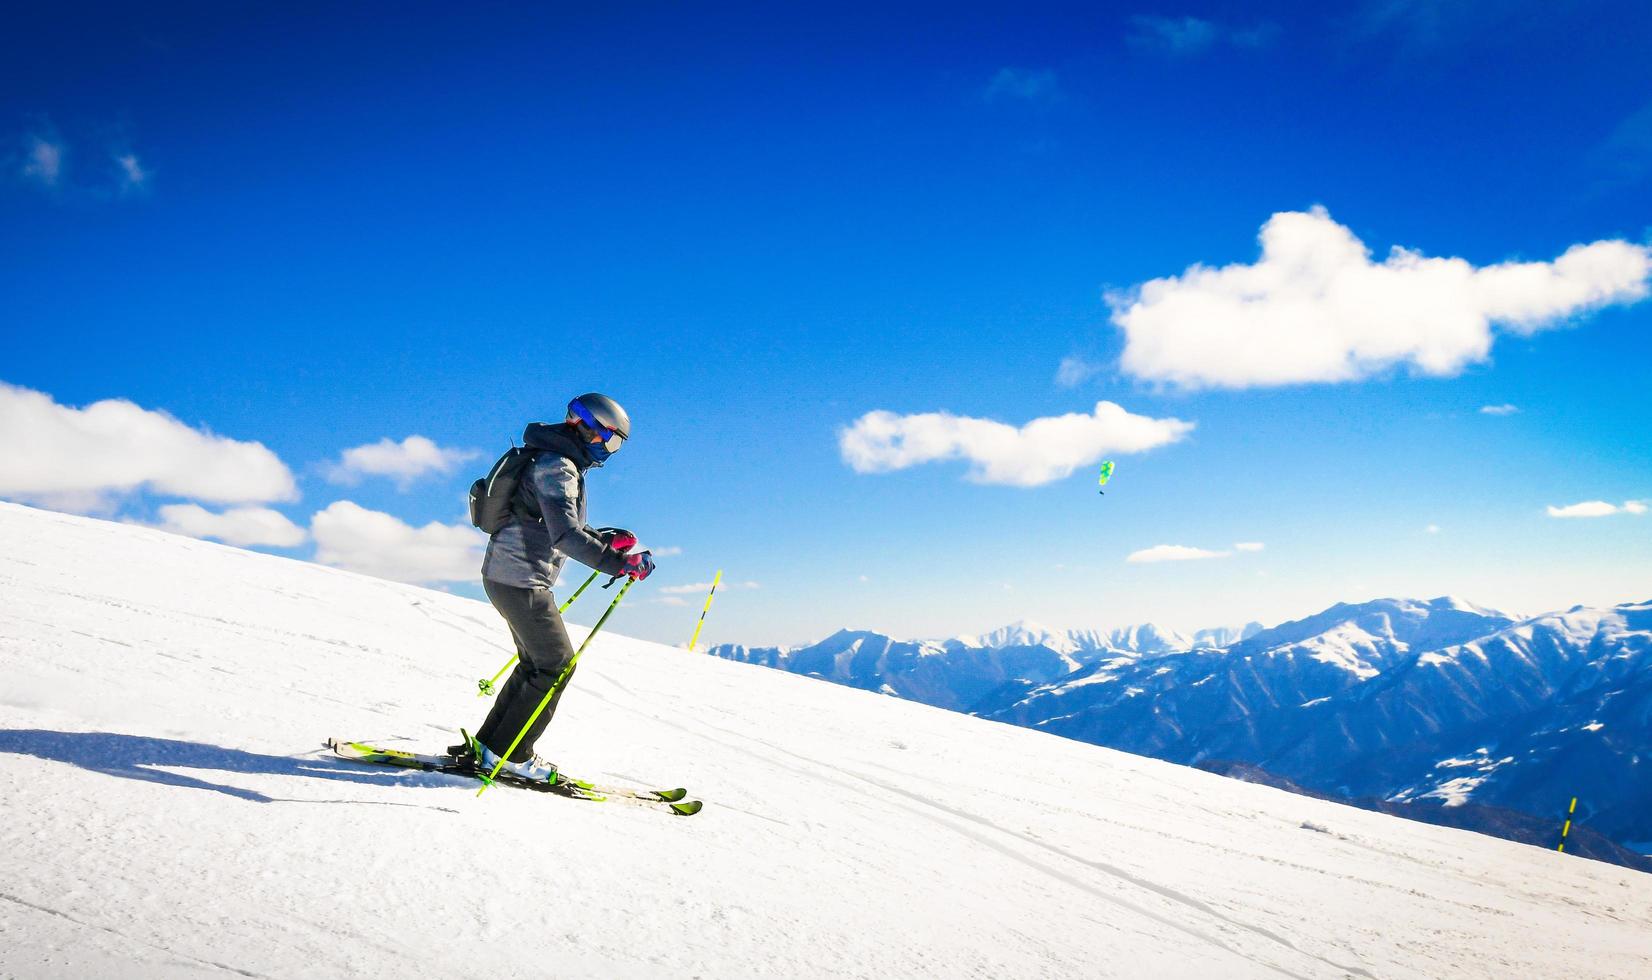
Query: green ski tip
x,y
688,809
671,795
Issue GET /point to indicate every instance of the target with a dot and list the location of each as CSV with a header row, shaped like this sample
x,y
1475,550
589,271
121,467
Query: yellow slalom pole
x,y
485,687
560,680
709,595
1567,827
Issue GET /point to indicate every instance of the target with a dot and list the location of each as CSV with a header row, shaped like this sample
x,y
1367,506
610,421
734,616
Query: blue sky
x,y
317,229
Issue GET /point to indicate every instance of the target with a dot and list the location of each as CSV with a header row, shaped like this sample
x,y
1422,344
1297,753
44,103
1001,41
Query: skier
x,y
543,526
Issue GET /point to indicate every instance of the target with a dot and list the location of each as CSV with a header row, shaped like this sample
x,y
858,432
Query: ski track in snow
x,y
127,938
165,810
929,807
854,782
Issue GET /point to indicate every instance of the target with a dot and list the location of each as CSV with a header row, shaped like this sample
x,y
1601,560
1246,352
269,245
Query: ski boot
x,y
535,770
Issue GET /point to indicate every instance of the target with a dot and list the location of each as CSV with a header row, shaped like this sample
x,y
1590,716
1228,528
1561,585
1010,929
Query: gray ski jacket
x,y
528,553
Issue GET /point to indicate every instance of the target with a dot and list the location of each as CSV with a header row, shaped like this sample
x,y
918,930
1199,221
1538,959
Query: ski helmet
x,y
601,416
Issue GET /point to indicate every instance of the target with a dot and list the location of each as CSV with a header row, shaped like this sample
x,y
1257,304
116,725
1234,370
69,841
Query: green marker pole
x,y
561,680
695,638
485,686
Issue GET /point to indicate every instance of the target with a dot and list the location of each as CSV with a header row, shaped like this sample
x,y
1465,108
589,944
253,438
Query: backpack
x,y
494,499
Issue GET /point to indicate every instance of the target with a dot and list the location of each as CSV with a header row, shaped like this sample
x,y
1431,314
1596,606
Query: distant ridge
x,y
1544,832
1439,701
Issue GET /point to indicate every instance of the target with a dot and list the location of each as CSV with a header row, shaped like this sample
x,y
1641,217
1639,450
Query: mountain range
x,y
1438,702
966,671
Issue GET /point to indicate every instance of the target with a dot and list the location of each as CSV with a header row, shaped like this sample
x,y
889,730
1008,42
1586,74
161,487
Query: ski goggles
x,y
611,439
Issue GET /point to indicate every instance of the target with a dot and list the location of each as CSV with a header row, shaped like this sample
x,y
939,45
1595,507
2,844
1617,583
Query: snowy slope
x,y
165,811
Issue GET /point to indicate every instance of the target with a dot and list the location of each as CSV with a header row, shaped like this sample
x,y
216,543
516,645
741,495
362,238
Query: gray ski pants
x,y
543,649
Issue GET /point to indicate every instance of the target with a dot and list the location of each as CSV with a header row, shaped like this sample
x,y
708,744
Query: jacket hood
x,y
557,438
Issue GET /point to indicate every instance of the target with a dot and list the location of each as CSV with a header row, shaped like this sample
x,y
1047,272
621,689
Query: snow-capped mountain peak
x,y
1149,639
1027,633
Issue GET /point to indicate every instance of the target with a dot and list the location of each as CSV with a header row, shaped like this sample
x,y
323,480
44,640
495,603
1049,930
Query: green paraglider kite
x,y
1106,474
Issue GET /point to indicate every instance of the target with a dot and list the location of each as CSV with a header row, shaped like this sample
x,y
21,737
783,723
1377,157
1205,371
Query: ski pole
x,y
709,595
485,685
560,680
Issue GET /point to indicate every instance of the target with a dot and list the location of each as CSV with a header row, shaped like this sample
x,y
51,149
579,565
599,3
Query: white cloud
x,y
1074,371
671,600
1176,35
133,176
1626,155
1432,529
1191,36
1038,86
240,526
1043,450
113,170
82,459
1248,546
1424,25
1499,409
350,536
43,161
1598,508
665,552
1260,36
1315,308
1172,552
701,588
1589,508
403,462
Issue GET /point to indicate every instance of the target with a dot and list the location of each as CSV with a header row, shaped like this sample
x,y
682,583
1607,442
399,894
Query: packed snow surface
x,y
166,810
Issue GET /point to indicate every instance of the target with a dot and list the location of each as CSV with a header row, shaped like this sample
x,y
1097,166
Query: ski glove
x,y
617,538
639,565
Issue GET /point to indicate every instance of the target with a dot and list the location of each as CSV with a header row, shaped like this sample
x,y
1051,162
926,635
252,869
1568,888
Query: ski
x,y
565,785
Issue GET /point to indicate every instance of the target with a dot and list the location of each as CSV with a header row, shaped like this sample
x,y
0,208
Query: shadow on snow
x,y
137,756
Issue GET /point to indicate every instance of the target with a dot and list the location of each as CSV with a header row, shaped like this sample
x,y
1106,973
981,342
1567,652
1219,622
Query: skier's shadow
x,y
135,756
